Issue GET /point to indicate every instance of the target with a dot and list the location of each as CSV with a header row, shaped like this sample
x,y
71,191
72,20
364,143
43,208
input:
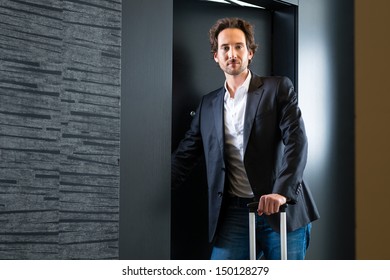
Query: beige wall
x,y
372,87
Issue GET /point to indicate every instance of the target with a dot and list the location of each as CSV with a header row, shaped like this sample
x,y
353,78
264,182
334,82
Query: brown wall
x,y
372,46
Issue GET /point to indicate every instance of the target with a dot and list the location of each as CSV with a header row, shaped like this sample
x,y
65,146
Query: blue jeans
x,y
232,240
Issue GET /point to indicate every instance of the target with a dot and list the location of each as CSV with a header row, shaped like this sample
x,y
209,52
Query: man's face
x,y
232,55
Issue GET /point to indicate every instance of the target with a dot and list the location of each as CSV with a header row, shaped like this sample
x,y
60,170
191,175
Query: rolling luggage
x,y
252,230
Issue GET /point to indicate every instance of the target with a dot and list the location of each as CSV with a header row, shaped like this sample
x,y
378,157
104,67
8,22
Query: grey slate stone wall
x,y
59,128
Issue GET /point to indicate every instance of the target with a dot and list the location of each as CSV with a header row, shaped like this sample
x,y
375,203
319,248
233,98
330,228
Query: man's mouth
x,y
233,62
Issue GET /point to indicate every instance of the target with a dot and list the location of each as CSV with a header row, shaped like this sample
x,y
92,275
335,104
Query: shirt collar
x,y
241,90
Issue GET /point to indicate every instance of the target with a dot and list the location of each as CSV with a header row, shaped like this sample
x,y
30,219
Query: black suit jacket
x,y
275,149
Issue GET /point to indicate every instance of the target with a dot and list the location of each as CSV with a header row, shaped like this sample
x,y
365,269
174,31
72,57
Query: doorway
x,y
195,74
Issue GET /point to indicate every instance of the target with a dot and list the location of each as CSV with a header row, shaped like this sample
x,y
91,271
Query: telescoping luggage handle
x,y
252,230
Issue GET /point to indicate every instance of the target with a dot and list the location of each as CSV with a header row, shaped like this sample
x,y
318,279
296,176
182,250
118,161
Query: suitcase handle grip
x,y
253,207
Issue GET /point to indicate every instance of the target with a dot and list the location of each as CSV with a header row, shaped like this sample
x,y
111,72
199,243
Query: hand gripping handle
x,y
254,205
283,230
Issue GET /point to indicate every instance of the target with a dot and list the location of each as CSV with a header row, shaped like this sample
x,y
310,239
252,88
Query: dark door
x,y
194,74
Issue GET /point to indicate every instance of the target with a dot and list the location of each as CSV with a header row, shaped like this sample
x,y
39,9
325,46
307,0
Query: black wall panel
x,y
146,130
59,129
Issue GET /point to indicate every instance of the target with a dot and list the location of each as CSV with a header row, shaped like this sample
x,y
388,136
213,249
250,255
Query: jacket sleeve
x,y
188,153
289,178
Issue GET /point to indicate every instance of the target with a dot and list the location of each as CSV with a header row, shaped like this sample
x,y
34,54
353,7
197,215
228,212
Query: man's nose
x,y
232,54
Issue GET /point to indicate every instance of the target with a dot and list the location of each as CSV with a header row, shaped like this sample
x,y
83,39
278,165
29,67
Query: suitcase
x,y
252,230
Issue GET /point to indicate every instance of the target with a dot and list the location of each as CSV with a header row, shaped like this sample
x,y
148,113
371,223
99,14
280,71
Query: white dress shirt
x,y
234,112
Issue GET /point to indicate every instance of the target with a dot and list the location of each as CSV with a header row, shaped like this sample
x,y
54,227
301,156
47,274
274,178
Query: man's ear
x,y
216,57
250,56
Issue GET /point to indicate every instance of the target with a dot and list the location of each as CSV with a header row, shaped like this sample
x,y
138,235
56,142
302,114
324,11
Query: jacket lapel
x,y
254,96
217,105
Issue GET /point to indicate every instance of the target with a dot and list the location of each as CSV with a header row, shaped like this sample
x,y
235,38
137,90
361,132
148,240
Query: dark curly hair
x,y
224,23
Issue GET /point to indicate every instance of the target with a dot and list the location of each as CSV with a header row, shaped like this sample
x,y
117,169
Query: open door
x,y
195,74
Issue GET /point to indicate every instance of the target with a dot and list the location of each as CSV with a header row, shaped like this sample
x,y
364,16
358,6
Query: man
x,y
253,138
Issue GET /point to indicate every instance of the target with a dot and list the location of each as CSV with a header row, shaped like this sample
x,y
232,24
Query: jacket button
x,y
298,189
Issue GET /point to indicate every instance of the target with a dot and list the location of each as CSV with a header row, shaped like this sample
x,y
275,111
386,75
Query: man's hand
x,y
270,203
